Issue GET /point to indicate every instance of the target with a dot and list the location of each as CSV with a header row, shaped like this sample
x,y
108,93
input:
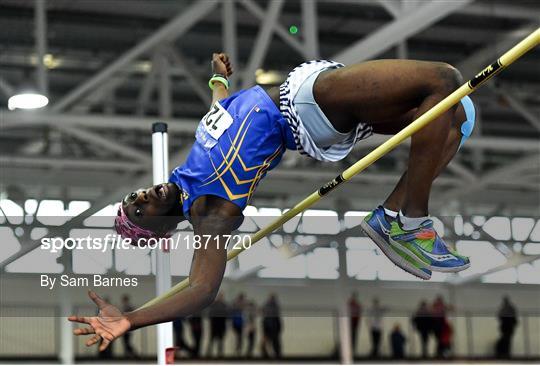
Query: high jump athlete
x,y
321,110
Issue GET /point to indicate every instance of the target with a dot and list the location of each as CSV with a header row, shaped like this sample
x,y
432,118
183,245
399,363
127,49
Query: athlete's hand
x,y
109,324
221,64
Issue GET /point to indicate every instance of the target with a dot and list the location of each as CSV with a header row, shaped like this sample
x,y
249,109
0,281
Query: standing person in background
x,y
251,329
179,340
422,321
217,314
272,327
376,327
440,324
446,339
128,347
237,315
355,311
397,341
507,325
195,324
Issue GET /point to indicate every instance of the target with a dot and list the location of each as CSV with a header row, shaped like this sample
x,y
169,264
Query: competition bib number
x,y
216,121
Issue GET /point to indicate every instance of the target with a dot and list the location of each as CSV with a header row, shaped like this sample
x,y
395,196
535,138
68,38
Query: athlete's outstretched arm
x,y
220,65
207,270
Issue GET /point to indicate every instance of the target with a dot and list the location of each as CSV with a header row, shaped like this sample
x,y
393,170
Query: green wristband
x,y
221,79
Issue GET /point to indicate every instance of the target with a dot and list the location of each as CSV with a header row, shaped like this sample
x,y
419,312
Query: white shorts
x,y
309,117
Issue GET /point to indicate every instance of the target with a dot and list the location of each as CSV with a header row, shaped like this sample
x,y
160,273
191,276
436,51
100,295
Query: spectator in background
x,y
441,326
237,315
195,324
355,311
126,338
271,327
446,339
217,312
180,342
397,341
507,325
376,317
251,329
422,321
108,352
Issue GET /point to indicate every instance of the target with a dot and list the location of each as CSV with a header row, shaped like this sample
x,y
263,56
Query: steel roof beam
x,y
171,30
398,30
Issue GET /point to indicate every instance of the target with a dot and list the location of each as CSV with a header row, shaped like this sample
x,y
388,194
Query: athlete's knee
x,y
447,78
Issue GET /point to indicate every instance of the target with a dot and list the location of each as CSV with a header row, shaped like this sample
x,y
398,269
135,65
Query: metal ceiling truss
x,y
168,32
74,113
398,30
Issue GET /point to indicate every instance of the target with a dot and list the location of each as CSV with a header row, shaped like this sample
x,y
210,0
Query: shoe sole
x,y
390,254
429,266
450,269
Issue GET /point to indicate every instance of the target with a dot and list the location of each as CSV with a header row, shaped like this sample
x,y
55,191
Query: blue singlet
x,y
238,141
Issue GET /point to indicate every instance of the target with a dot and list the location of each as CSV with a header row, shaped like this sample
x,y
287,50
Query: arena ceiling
x,y
111,68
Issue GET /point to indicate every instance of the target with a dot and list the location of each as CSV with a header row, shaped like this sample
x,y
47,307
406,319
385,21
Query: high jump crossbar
x,y
444,105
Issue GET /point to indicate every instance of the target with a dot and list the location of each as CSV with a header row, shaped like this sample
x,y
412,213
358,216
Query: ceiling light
x,y
143,66
49,60
268,77
27,101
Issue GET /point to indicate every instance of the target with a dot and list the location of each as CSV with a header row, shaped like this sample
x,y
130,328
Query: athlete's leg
x,y
394,201
386,89
420,244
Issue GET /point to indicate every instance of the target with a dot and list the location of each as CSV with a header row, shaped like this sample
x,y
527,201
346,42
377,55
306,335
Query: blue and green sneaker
x,y
425,246
379,228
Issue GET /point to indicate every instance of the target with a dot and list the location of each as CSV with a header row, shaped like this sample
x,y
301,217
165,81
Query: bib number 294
x,y
216,121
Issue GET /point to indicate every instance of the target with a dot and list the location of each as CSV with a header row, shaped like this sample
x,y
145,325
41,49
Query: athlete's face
x,y
148,207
